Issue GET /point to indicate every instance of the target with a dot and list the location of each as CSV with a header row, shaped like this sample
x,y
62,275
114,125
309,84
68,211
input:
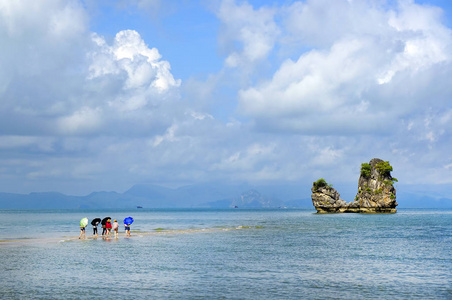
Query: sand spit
x,y
135,234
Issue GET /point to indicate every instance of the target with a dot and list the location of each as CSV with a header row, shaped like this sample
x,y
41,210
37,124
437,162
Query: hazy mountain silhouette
x,y
210,196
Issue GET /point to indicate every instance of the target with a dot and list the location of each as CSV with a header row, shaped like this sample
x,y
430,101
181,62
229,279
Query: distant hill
x,y
154,196
248,199
210,196
412,200
37,201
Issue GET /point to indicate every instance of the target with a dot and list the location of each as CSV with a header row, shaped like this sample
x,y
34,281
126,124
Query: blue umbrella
x,y
128,220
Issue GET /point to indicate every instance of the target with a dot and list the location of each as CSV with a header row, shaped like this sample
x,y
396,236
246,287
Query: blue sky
x,y
101,95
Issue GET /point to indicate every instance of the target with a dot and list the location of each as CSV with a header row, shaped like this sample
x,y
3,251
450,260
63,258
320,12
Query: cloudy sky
x,y
101,95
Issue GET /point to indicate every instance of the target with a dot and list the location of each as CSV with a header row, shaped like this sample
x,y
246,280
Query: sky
x,y
102,95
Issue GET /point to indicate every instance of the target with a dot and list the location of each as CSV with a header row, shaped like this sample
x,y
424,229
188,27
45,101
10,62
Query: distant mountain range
x,y
202,196
154,196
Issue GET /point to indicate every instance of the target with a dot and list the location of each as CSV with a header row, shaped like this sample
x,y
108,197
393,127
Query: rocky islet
x,y
376,192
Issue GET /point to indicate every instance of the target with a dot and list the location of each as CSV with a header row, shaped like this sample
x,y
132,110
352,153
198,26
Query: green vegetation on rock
x,y
376,192
320,183
384,168
365,170
390,182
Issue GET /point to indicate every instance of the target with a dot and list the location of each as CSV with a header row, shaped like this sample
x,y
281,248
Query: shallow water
x,y
229,254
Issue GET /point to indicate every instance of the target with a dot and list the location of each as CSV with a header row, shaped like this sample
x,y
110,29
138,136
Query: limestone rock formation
x,y
325,198
376,192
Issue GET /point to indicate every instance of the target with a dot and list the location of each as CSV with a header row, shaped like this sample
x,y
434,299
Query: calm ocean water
x,y
228,254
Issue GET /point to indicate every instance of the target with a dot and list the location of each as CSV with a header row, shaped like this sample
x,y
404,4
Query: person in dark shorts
x,y
104,229
127,229
82,232
95,234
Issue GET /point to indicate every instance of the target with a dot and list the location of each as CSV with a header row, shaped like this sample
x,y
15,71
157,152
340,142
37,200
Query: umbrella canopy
x,y
84,222
95,221
128,220
104,220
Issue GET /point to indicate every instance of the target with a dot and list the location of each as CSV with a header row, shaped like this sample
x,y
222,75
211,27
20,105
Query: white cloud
x,y
326,156
63,18
69,81
41,43
337,87
255,32
252,159
147,76
320,23
79,108
427,41
199,115
84,120
72,102
168,136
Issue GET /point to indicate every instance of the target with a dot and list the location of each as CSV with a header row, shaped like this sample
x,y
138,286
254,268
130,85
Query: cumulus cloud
x,y
38,40
248,34
63,87
128,48
366,79
363,80
65,80
354,81
145,76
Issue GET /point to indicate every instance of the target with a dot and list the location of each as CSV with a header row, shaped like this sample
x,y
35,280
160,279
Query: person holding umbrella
x,y
95,222
127,222
104,225
83,224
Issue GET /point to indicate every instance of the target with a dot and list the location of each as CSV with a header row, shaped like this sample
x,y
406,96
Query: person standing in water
x,y
127,228
104,229
115,227
82,233
95,234
108,227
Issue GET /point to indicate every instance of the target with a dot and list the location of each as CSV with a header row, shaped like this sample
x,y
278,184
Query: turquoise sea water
x,y
228,254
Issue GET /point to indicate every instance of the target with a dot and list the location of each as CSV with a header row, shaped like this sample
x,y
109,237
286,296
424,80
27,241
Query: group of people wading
x,y
107,227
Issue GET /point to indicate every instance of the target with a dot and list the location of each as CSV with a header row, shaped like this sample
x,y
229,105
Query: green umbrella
x,y
84,222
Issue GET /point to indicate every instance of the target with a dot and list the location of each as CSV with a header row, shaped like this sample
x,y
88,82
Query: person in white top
x,y
115,227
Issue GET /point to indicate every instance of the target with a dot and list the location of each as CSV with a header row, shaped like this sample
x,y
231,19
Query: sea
x,y
227,254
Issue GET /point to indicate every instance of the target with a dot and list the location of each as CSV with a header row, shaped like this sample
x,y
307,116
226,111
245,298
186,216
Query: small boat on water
x,y
139,206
